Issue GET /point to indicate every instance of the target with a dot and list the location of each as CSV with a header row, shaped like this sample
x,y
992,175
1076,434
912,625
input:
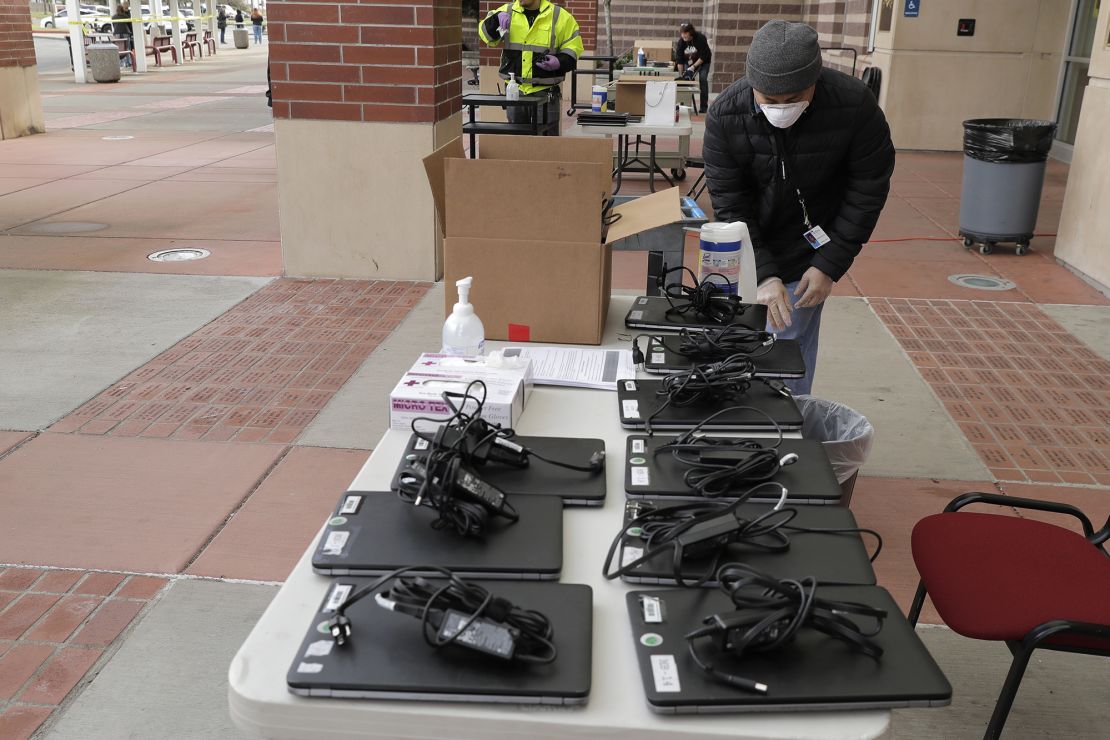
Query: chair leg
x,y
1009,691
918,603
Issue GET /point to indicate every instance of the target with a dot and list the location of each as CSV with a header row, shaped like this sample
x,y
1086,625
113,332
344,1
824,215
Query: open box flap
x,y
645,212
434,168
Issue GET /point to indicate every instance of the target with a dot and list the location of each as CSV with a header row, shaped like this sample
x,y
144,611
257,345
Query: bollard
x,y
104,60
242,39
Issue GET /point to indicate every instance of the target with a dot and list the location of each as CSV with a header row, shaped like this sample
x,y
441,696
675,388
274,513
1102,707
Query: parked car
x,y
92,18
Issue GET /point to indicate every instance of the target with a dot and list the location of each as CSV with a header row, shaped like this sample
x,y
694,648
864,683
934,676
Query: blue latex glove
x,y
549,63
504,18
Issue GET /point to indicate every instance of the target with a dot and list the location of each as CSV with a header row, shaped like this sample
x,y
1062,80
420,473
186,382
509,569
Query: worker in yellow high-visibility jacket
x,y
540,44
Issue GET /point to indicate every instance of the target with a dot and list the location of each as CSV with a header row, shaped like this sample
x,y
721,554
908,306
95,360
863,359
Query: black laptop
x,y
651,473
387,657
815,672
783,360
375,532
574,487
651,312
830,558
639,399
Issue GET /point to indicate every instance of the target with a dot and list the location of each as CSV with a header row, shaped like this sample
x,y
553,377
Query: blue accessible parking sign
x,y
913,7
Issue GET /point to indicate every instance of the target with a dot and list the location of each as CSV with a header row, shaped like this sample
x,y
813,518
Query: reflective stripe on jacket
x,y
555,31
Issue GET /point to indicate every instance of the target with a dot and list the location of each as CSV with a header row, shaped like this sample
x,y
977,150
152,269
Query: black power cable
x,y
718,465
455,612
710,345
704,299
769,614
704,530
443,482
719,382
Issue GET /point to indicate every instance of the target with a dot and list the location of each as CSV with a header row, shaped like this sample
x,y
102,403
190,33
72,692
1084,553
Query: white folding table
x,y
633,134
262,706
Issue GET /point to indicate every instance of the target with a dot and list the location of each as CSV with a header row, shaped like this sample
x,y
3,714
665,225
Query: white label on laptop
x,y
338,595
665,671
642,300
630,385
316,668
653,609
630,555
638,447
350,505
631,408
641,476
333,545
658,358
421,444
636,315
319,649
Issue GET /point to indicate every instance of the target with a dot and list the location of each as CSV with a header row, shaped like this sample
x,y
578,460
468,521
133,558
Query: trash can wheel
x,y
986,248
968,242
1022,248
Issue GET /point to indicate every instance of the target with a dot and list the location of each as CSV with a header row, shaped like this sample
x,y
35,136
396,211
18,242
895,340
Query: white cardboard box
x,y
419,393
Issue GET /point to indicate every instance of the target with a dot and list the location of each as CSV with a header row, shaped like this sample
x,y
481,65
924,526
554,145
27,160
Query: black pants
x,y
518,114
703,83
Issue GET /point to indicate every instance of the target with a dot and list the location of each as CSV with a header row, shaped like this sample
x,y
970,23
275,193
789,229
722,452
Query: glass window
x,y
1083,35
1075,84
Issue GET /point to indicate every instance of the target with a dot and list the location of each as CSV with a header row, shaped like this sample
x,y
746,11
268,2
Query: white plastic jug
x,y
598,99
726,257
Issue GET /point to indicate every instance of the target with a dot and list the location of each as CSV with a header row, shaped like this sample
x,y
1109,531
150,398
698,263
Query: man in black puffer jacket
x,y
803,156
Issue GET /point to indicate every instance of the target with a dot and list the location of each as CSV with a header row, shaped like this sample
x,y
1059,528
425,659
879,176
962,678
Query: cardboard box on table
x,y
656,50
525,220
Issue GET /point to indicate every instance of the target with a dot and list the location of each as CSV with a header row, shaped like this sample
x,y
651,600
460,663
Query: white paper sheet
x,y
577,368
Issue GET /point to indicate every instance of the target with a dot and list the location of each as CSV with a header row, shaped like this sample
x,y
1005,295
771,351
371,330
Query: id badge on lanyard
x,y
813,234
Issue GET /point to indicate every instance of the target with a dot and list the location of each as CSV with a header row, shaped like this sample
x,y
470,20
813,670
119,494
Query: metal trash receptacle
x,y
1004,166
846,435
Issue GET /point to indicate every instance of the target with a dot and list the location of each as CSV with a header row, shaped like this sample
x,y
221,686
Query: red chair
x,y
1023,582
209,41
191,45
158,46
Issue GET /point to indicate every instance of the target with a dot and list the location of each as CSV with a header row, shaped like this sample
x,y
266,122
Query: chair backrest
x,y
121,44
162,41
191,37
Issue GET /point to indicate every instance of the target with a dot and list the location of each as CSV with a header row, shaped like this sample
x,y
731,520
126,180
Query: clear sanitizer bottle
x,y
463,333
512,89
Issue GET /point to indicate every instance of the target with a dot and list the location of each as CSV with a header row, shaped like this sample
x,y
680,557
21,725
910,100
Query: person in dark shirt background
x,y
693,55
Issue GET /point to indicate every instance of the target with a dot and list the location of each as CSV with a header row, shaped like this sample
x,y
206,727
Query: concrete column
x,y
76,40
362,92
1085,219
175,24
20,102
1008,69
138,35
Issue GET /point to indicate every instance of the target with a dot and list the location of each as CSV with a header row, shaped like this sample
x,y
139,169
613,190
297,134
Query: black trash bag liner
x,y
1008,140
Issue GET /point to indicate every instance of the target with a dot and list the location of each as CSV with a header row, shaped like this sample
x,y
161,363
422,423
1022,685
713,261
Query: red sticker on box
x,y
520,333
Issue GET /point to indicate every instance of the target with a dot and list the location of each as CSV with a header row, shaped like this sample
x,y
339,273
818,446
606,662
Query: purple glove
x,y
504,18
549,63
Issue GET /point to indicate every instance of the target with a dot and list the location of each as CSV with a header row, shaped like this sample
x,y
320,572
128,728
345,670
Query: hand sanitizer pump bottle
x,y
463,333
512,89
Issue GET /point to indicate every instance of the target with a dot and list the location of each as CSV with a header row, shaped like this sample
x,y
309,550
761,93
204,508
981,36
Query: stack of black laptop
x,y
763,597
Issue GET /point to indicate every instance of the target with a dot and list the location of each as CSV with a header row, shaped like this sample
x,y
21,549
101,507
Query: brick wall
x,y
584,11
376,60
636,19
17,49
841,24
730,26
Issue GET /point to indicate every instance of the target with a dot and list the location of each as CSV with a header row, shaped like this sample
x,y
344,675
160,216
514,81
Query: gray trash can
x,y
242,38
104,62
846,435
1004,164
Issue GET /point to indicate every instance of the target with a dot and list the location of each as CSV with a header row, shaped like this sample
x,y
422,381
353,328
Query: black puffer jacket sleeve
x,y
732,190
869,166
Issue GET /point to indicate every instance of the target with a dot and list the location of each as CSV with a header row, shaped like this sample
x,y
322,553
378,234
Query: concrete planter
x,y
104,61
242,38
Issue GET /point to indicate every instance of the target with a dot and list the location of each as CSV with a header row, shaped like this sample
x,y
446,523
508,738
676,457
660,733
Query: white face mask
x,y
784,115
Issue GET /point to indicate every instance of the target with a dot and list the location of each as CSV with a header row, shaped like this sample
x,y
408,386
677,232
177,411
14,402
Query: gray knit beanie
x,y
784,58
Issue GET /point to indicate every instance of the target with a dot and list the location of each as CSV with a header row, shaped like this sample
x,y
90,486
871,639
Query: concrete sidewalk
x,y
173,433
